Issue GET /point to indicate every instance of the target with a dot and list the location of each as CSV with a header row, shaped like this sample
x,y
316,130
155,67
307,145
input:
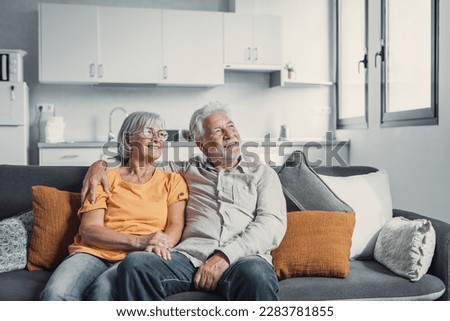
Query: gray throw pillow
x,y
406,247
305,190
15,235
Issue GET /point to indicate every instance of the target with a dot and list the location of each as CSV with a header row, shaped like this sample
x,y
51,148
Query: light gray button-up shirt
x,y
240,212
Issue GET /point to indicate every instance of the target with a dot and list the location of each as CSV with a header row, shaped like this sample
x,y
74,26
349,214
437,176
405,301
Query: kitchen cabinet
x,y
89,44
192,48
84,44
129,43
67,43
69,156
252,42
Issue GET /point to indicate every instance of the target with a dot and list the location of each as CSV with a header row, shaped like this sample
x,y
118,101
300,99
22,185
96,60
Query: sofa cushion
x,y
369,195
316,243
22,285
368,280
15,234
305,190
55,226
406,247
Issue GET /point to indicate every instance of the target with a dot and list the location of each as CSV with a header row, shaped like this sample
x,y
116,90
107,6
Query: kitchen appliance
x,y
14,124
11,65
285,133
178,135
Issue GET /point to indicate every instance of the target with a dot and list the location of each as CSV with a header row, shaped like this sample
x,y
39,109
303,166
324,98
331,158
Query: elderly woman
x,y
143,211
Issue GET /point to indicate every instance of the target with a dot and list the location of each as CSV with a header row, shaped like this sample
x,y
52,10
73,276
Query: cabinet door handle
x,y
165,72
100,71
92,70
256,53
70,156
249,53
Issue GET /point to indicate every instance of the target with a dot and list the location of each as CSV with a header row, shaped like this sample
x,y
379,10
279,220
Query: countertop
x,y
248,142
71,144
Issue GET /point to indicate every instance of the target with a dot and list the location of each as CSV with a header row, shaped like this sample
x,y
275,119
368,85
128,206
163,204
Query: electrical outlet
x,y
45,108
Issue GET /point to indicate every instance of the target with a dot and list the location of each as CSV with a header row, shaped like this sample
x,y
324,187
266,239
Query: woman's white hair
x,y
196,129
134,123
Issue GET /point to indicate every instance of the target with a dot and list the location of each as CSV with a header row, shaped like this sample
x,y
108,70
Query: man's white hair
x,y
196,129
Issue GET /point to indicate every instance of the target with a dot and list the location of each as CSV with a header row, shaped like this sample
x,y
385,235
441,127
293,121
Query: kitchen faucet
x,y
111,135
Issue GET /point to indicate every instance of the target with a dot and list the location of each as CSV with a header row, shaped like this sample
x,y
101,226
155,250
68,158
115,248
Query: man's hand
x,y
95,175
208,275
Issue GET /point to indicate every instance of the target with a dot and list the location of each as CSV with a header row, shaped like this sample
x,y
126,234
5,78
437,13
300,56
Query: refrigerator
x,y
14,123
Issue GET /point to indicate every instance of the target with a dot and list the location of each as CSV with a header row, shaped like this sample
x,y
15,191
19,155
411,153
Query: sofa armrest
x,y
441,259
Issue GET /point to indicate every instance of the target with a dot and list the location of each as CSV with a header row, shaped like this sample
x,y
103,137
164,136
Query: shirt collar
x,y
241,165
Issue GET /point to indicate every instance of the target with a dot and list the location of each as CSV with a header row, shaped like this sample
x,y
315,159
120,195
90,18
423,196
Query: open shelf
x,y
276,80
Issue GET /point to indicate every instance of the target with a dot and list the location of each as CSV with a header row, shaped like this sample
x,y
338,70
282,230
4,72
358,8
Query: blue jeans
x,y
145,276
82,276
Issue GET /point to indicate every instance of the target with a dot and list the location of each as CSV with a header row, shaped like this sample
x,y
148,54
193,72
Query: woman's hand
x,y
159,239
161,251
95,175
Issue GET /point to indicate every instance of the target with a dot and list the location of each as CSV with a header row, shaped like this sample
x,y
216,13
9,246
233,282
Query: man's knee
x,y
254,268
250,278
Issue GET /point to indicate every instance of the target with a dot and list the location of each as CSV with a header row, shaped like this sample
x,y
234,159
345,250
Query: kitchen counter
x,y
71,144
319,151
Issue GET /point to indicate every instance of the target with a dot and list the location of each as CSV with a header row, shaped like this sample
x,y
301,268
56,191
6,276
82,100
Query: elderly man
x,y
235,216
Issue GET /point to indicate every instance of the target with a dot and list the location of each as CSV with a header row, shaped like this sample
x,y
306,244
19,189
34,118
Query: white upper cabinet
x,y
252,42
82,44
68,44
89,44
192,48
129,45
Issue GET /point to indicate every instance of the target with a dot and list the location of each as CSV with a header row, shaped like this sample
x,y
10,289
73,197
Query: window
x,y
410,59
406,60
352,64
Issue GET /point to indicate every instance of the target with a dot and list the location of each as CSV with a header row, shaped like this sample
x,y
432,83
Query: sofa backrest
x,y
16,182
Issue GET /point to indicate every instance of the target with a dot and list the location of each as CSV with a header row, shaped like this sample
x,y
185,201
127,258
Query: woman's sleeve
x,y
178,190
100,201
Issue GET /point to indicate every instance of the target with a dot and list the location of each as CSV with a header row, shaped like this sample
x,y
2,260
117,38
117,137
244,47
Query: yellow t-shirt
x,y
137,209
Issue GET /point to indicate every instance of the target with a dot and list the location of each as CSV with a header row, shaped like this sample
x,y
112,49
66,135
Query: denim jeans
x,y
82,276
146,276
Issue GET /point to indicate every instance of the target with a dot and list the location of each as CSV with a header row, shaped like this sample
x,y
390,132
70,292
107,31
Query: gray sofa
x,y
368,280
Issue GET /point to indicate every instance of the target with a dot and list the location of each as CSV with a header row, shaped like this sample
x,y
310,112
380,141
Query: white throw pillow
x,y
370,197
406,247
15,235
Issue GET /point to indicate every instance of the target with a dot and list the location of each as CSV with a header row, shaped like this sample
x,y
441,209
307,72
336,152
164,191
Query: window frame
x,y
413,117
361,122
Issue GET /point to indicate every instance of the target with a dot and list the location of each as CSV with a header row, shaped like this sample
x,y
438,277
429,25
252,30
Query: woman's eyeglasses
x,y
150,133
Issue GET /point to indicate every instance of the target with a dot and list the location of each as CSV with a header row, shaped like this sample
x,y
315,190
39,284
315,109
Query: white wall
x,y
257,108
416,158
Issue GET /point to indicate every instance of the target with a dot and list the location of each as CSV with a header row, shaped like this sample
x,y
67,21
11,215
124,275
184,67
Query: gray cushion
x,y
22,285
303,188
368,280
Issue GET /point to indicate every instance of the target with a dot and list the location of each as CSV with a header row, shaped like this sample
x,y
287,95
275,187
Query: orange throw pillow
x,y
55,226
317,243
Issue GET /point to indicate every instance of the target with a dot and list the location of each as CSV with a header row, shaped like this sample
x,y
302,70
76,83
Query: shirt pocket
x,y
244,197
